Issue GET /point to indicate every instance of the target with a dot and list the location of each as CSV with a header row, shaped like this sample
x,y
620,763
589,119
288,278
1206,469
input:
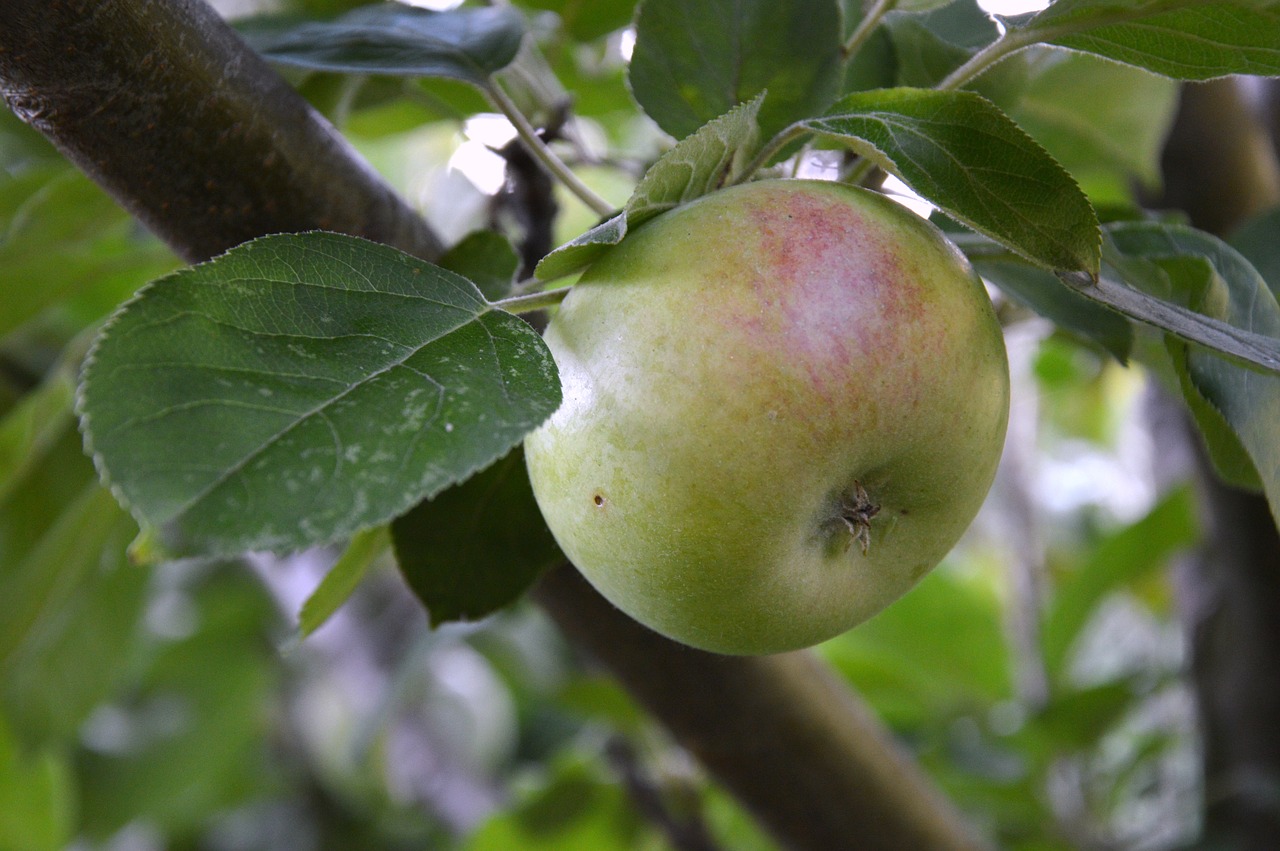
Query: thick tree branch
x,y
1218,163
160,103
1221,168
781,732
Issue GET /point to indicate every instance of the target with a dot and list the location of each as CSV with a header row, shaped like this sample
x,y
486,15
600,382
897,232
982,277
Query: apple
x,y
784,402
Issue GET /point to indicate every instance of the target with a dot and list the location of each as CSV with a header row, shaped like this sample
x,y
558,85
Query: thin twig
x,y
543,154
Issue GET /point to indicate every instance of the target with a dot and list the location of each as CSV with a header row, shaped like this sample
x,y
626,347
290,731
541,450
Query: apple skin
x,y
734,372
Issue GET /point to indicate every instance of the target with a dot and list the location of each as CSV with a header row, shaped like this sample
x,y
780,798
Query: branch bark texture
x,y
1221,168
765,724
161,103
164,106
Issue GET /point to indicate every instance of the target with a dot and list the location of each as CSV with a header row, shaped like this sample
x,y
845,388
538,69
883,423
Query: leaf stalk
x,y
533,301
772,148
1006,45
866,27
543,154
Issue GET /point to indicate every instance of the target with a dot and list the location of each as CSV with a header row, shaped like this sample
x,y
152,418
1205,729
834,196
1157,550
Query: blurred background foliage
x,y
1038,675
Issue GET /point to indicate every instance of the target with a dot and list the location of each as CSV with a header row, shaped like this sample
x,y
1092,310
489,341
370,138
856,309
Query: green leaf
x,y
583,250
910,670
31,428
587,21
487,259
1141,292
300,388
34,588
602,698
1234,294
695,60
475,548
715,156
574,806
61,236
82,646
1119,560
390,38
1045,294
1042,291
69,600
1184,39
1078,719
964,155
341,580
37,798
928,47
874,66
1256,241
186,740
1226,452
1119,137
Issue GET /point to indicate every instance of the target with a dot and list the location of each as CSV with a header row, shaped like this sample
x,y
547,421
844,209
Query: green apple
x,y
783,404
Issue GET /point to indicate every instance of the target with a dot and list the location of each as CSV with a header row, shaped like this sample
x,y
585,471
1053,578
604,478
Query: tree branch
x,y
1220,167
781,732
163,105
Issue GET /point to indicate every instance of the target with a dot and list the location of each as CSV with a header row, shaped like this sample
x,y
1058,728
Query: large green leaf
x,y
1133,288
1218,283
300,388
1046,295
695,60
1186,39
477,547
391,38
714,156
1119,136
964,155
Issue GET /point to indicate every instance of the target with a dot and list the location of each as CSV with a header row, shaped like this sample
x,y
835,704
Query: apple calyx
x,y
857,511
